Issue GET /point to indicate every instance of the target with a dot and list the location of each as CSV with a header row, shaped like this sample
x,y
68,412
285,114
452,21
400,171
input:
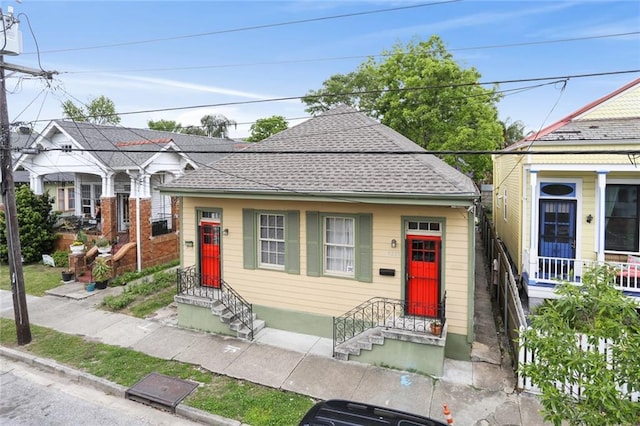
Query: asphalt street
x,y
29,396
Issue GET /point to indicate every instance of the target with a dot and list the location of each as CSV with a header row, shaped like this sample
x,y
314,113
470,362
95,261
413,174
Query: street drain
x,y
160,391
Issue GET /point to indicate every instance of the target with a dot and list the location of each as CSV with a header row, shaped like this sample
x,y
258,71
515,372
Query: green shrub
x,y
118,302
35,225
61,258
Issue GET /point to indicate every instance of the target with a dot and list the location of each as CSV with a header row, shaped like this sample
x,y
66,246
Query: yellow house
x,y
567,197
338,227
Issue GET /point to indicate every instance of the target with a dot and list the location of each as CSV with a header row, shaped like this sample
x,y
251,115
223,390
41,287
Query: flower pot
x,y
101,285
90,286
436,329
104,250
77,249
67,276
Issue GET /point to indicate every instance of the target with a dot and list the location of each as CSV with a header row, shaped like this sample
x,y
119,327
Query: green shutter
x,y
314,244
249,238
292,242
364,252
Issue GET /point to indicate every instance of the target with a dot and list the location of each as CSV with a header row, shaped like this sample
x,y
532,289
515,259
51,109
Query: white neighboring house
x,y
118,169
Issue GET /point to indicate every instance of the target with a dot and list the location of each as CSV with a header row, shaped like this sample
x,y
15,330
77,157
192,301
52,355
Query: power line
x,y
253,27
344,58
404,89
633,151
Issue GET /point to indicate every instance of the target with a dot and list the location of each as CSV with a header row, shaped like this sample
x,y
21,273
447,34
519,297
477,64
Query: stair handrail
x,y
241,309
189,282
386,313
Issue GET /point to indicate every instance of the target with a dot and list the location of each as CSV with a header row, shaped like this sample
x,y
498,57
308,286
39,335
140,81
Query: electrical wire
x,y
404,89
253,27
344,58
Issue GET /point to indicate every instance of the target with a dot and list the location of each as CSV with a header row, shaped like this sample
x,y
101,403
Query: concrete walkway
x,y
480,392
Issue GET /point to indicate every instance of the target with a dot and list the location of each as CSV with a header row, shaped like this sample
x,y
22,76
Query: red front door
x,y
210,254
423,275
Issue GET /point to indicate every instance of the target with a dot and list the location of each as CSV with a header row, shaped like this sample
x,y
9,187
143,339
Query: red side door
x,y
210,254
423,275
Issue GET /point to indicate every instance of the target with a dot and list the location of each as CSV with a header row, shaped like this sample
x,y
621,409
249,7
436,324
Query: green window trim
x,y
250,240
363,241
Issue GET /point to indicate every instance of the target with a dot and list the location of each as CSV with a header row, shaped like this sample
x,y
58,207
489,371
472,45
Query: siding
x,y
508,174
334,296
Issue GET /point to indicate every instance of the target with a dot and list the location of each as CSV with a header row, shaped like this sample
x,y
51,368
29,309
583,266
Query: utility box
x,y
10,35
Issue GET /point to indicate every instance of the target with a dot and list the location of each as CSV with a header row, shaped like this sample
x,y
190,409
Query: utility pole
x,y
12,44
16,275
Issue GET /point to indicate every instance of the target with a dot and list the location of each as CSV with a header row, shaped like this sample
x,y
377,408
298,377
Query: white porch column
x,y
600,214
36,183
533,223
108,189
146,186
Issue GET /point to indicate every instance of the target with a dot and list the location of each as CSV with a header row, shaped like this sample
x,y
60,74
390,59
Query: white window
x,y
339,246
271,240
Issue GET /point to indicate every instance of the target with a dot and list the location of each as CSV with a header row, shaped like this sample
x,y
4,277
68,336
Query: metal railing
x,y
189,282
388,314
159,227
554,269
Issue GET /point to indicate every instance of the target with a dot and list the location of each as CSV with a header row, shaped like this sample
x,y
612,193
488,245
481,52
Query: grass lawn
x,y
38,278
231,398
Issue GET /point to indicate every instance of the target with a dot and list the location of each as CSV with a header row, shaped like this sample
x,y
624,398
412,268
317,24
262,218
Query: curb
x,y
108,387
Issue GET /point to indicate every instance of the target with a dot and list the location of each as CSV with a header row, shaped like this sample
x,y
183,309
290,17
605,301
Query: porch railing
x,y
189,282
389,314
553,269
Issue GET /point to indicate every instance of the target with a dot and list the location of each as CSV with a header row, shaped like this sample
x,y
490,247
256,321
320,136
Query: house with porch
x,y
338,227
567,198
86,167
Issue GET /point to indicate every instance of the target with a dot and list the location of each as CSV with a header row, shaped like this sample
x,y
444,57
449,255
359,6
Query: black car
x,y
336,412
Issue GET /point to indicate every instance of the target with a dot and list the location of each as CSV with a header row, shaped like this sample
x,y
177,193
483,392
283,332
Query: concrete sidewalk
x,y
480,392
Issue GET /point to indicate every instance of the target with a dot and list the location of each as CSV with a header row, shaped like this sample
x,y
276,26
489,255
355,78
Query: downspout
x,y
138,234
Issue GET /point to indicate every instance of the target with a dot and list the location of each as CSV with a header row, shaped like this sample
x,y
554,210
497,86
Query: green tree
x,y
100,110
217,126
165,125
512,131
598,311
265,127
35,225
420,91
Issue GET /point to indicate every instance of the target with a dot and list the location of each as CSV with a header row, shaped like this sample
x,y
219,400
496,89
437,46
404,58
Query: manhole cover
x,y
160,391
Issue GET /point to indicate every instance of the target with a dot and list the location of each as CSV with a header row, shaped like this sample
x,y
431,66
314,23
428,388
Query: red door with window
x,y
423,275
210,254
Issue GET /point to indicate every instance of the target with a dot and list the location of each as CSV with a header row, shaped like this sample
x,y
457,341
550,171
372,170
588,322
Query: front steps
x,y
377,335
228,317
217,308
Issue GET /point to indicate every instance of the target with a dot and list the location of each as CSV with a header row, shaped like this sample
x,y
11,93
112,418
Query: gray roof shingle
x,y
340,151
121,147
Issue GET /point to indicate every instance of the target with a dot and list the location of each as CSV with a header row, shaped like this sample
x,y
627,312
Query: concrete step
x,y
243,333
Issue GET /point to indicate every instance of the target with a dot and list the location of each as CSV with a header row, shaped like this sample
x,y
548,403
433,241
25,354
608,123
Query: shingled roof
x,y
341,151
121,147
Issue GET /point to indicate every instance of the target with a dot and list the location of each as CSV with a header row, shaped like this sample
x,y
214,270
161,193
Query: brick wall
x,y
109,213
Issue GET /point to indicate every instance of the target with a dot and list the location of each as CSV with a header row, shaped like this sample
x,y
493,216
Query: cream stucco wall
x,y
329,295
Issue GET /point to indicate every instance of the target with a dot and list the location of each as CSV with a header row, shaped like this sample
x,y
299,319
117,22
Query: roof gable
x,y
340,151
614,111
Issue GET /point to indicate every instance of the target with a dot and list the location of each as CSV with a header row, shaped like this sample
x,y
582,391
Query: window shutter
x,y
364,271
248,239
314,244
292,242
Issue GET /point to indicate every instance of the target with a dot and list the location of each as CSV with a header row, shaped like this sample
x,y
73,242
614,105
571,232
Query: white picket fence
x,y
604,347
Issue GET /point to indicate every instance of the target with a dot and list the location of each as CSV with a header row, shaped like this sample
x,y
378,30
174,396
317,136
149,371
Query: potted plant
x,y
436,327
103,244
79,243
101,272
67,275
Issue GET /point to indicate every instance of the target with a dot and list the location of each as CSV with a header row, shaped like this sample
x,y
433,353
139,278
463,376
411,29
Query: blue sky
x,y
289,60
